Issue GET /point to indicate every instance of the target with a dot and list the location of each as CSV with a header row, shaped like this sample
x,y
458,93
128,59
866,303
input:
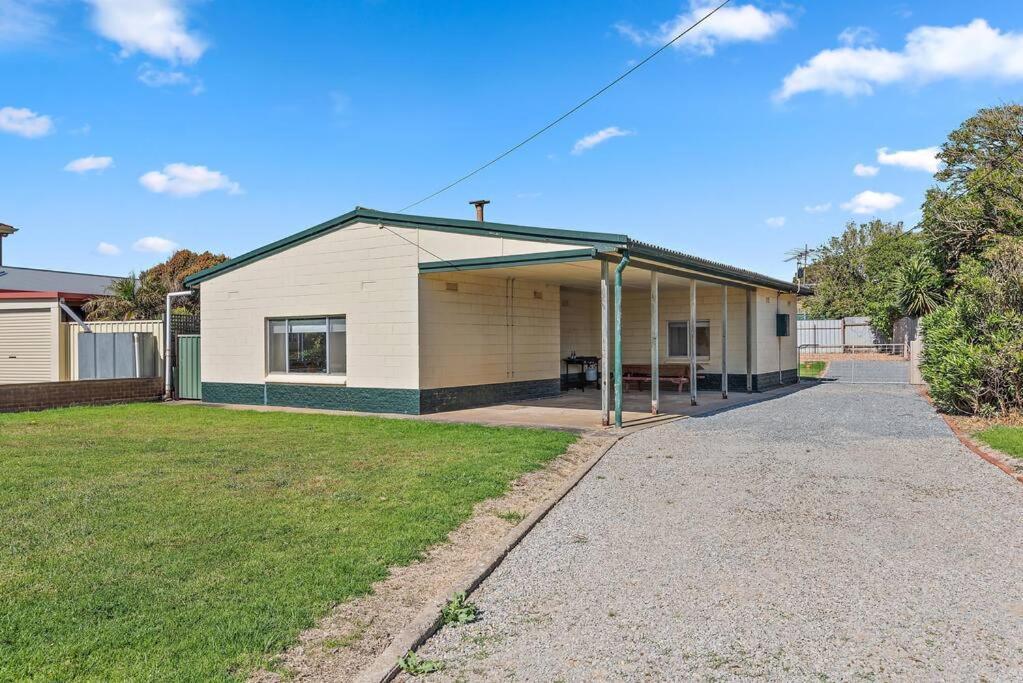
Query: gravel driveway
x,y
837,533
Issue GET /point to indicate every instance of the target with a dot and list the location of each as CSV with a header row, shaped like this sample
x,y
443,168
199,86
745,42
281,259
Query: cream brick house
x,y
385,312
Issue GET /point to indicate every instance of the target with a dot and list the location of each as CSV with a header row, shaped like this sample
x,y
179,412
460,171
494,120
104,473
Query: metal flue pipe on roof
x,y
479,204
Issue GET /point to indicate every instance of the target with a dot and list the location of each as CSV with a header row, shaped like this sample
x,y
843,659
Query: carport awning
x,y
581,268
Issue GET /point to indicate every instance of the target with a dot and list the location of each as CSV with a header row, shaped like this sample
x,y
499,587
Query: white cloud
x,y
184,180
925,159
89,163
593,139
730,24
776,221
161,78
22,23
857,35
155,27
818,208
155,245
24,122
339,102
108,249
869,201
972,51
865,171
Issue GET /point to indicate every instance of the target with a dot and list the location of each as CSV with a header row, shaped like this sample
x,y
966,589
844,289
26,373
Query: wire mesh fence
x,y
860,364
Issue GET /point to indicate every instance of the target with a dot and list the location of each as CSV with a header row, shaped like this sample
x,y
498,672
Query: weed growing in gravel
x,y
459,611
511,516
580,538
414,665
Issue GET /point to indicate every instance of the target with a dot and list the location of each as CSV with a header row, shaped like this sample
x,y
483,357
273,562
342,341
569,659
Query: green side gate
x,y
187,378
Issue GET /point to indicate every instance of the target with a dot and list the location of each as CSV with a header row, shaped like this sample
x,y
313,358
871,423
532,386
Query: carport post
x,y
605,347
655,380
692,342
618,337
724,341
749,341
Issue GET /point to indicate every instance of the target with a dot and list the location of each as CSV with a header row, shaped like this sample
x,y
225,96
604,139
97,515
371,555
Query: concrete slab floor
x,y
573,410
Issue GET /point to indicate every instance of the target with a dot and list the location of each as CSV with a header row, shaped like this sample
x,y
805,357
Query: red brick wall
x,y
18,397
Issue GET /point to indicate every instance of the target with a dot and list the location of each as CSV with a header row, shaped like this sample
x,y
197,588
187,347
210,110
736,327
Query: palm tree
x,y
918,287
130,298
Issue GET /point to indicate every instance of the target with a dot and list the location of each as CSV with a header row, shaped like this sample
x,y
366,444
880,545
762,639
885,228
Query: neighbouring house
x,y
385,312
33,305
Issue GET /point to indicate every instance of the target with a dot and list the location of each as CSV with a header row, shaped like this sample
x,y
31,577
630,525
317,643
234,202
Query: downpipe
x,y
167,341
618,337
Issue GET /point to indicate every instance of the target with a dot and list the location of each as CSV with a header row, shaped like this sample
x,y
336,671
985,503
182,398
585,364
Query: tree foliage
x,y
982,198
854,274
143,297
973,226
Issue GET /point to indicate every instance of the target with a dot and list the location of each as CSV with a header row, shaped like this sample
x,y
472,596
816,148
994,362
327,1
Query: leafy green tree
x,y
143,297
982,196
973,226
853,273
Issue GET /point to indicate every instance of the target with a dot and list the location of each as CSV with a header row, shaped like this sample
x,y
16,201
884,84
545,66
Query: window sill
x,y
311,378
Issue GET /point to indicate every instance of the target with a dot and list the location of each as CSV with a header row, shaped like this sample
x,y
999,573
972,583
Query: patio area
x,y
581,410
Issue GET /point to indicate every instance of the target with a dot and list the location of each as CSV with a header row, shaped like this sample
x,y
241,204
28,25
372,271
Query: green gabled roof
x,y
594,240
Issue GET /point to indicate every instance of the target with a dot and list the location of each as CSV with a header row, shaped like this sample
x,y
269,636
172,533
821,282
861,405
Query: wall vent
x,y
451,286
537,294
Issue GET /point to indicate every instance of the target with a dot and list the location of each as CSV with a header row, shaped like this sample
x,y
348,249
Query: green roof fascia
x,y
513,260
595,240
699,265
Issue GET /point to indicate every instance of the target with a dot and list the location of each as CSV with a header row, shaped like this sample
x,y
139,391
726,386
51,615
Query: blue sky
x,y
231,124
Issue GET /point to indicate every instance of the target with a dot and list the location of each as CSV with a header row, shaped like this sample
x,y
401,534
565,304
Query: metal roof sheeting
x,y
37,280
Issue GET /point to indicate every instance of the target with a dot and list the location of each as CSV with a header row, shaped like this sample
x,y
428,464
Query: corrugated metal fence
x,y
69,341
187,374
835,336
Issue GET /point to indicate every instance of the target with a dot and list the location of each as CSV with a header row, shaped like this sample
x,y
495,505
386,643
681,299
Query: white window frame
x,y
287,359
667,338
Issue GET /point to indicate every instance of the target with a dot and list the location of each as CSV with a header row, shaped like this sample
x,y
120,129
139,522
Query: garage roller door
x,y
26,346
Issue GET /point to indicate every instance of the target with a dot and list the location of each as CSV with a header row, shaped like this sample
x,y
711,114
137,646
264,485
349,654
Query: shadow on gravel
x,y
796,388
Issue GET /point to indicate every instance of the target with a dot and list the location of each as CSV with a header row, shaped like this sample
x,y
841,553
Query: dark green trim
x,y
231,392
359,399
508,261
477,395
361,215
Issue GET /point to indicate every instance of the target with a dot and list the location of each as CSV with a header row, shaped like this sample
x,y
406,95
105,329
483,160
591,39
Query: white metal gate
x,y
860,364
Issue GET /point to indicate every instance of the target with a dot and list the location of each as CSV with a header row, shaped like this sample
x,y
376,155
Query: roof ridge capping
x,y
597,240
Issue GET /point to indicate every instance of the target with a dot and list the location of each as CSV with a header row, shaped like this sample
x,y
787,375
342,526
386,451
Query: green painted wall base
x,y
371,400
366,400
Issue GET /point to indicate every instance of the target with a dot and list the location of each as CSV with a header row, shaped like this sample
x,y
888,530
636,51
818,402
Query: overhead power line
x,y
571,111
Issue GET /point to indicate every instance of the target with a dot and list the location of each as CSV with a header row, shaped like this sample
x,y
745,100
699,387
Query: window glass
x,y
307,345
703,339
277,345
338,346
678,339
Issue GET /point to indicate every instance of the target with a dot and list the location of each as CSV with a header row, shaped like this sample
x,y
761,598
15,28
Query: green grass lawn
x,y
152,542
1005,439
812,368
